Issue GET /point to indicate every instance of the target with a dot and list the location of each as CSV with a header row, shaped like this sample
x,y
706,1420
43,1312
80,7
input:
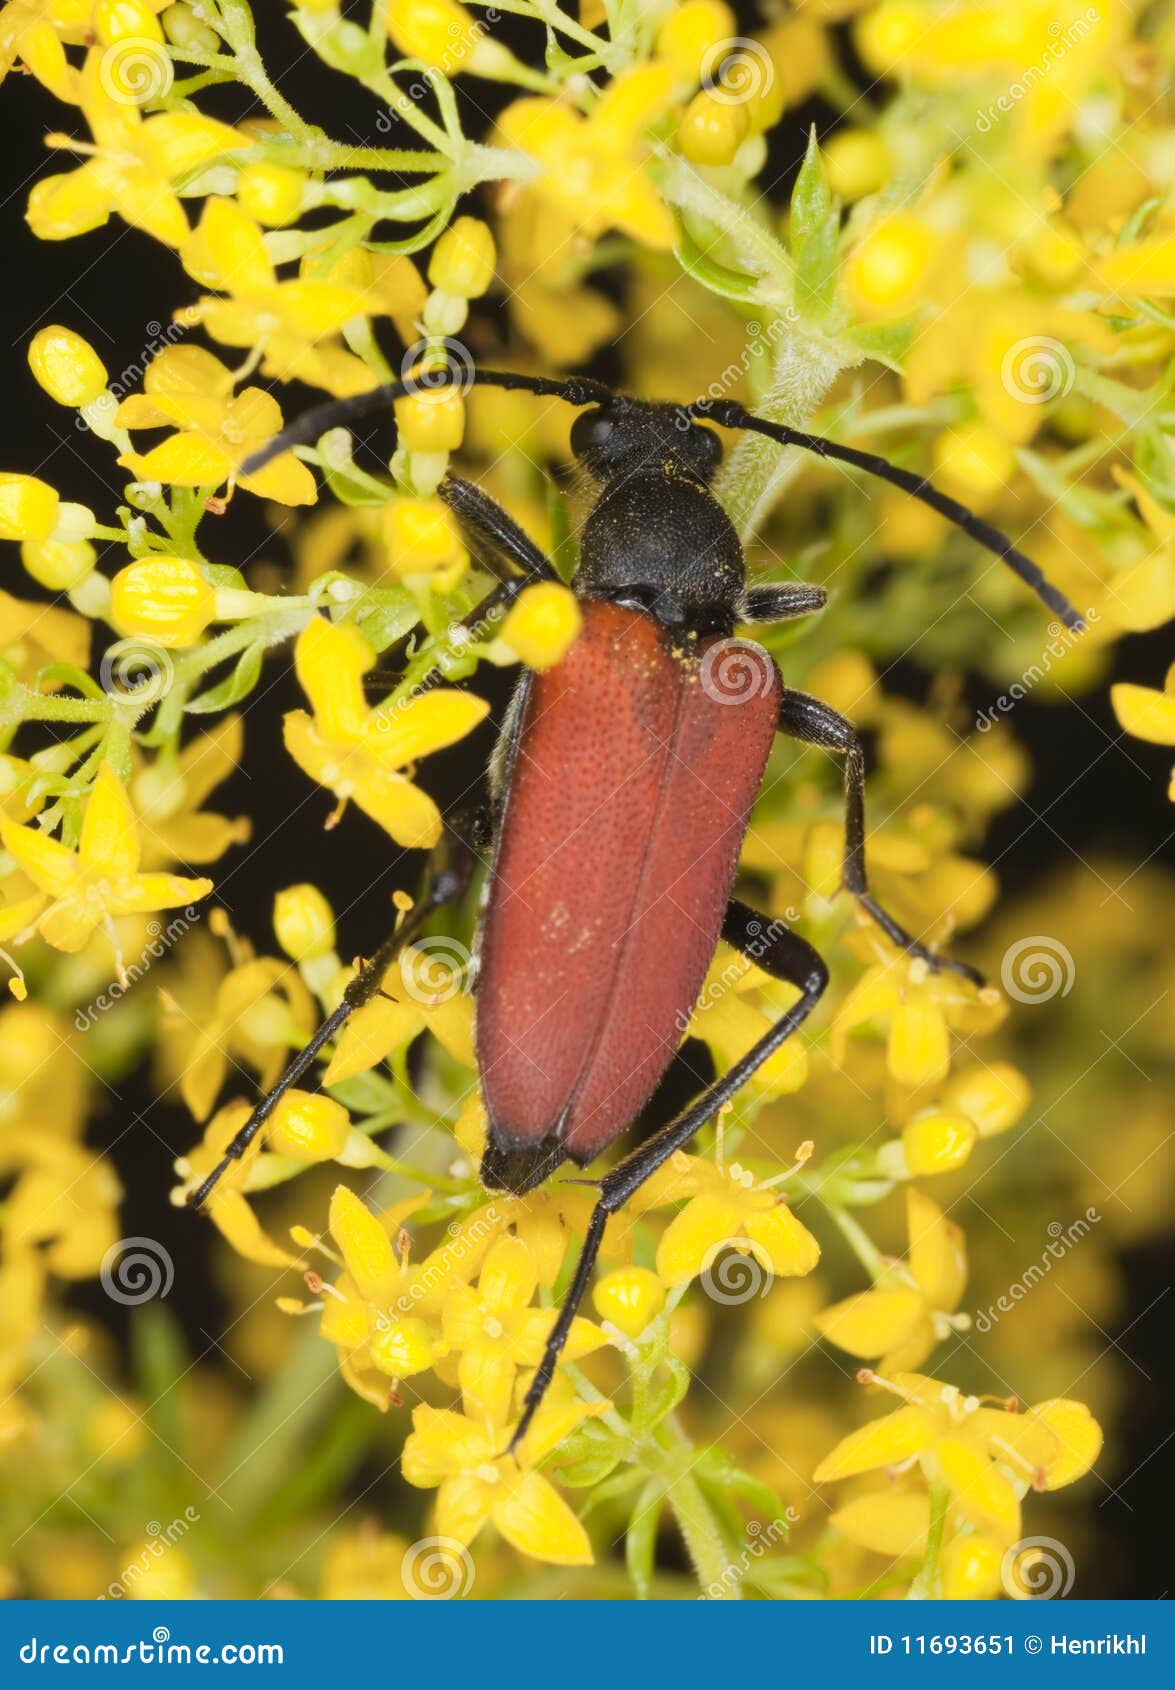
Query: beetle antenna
x,y
729,414
340,413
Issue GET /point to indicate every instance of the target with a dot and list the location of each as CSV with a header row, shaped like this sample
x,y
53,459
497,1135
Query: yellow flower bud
x,y
974,462
308,1126
304,923
28,508
542,625
440,32
431,421
59,565
165,599
857,162
272,193
124,20
992,1094
712,129
691,30
182,26
935,1143
66,366
1053,254
970,1569
630,1297
462,261
885,273
421,535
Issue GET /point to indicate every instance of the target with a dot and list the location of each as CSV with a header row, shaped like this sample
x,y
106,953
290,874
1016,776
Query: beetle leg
x,y
782,601
815,723
485,519
447,876
773,947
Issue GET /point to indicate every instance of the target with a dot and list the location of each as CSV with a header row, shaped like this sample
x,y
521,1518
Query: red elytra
x,y
627,799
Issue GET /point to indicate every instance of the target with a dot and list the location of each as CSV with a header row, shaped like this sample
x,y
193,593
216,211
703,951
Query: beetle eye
x,y
590,431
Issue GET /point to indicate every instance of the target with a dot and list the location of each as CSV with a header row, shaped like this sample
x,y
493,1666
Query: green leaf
x,y
640,1542
815,235
889,343
384,615
238,684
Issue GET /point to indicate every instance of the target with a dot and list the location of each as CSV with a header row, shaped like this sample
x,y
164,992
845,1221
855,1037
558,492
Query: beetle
x,y
621,792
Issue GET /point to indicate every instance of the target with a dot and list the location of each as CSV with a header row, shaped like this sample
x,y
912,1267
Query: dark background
x,y
121,289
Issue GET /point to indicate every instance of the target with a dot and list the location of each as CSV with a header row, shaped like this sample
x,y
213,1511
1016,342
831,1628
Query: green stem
x,y
702,1537
926,1582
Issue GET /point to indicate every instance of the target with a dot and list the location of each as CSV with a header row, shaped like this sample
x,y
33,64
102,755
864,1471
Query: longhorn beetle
x,y
620,796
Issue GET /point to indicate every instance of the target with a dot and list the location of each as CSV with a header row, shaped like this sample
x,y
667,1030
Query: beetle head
x,y
628,436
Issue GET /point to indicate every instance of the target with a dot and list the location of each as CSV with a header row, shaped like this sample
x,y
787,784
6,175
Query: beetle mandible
x,y
620,796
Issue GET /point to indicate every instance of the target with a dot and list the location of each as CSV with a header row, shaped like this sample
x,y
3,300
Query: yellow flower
x,y
919,1008
1146,712
304,923
381,1314
88,887
360,752
629,1297
479,1483
543,624
187,388
134,162
593,176
462,261
32,635
227,1207
66,1203
730,1025
167,599
295,321
988,1457
168,797
421,993
254,1016
913,1307
29,508
495,1331
1143,595
365,1566
728,1211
